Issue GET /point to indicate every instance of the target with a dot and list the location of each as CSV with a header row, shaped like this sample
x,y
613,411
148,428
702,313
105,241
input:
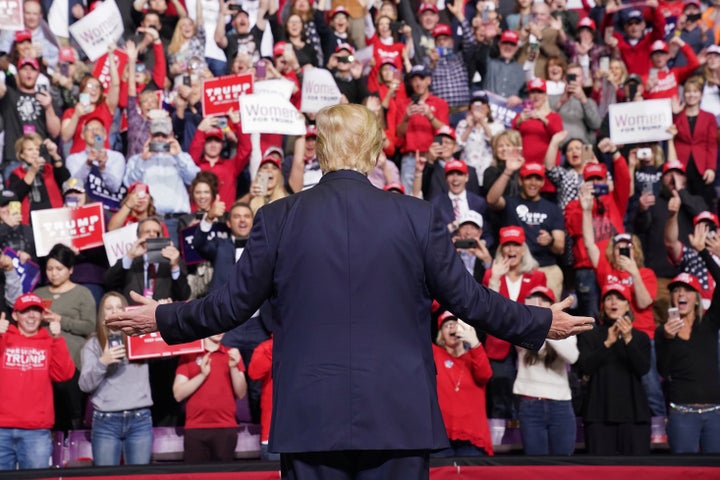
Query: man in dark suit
x,y
351,271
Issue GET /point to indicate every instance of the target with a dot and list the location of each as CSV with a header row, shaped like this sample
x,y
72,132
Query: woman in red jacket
x,y
514,274
696,141
463,370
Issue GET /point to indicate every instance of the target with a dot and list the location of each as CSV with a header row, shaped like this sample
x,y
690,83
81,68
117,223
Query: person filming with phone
x,y
269,182
104,163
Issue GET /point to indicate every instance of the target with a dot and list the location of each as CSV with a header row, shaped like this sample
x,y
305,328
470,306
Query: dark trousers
x,y
617,438
356,465
204,445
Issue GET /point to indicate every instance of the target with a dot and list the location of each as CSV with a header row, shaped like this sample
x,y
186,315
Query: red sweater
x,y
226,169
260,368
461,393
420,133
101,112
29,366
637,57
48,179
606,224
382,52
644,319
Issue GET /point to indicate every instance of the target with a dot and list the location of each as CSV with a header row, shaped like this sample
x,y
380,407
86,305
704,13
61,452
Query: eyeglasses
x,y
92,86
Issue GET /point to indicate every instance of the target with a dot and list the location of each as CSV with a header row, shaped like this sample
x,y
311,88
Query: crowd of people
x,y
539,207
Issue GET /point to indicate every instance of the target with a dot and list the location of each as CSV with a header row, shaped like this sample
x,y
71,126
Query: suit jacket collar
x,y
345,175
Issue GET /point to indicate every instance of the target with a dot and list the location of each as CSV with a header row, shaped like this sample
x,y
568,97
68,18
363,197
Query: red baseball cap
x,y
67,54
685,279
442,29
28,300
394,186
273,155
537,85
138,186
338,9
544,291
706,216
673,165
23,36
623,290
594,170
586,22
456,166
659,46
512,234
529,169
424,7
509,36
445,317
345,46
28,61
447,131
310,131
279,49
214,132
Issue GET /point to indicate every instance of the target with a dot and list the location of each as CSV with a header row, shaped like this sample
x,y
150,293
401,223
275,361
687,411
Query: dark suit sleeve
x,y
451,284
233,303
205,247
114,277
181,287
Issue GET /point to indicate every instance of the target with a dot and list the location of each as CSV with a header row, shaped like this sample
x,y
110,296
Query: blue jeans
x,y
217,67
547,426
407,171
24,448
652,387
587,291
128,432
693,432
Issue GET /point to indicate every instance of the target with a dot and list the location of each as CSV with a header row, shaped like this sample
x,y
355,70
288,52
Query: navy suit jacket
x,y
220,251
351,271
444,209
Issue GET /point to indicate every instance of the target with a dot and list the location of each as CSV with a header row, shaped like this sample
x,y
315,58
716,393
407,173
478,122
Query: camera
x,y
465,243
643,153
397,26
600,189
158,147
444,51
186,80
346,59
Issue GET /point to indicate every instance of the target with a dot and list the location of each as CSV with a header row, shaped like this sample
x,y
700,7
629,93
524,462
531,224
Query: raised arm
x,y
586,202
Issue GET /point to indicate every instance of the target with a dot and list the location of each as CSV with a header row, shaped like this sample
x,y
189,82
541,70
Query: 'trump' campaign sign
x,y
80,227
318,90
639,122
221,94
11,15
152,345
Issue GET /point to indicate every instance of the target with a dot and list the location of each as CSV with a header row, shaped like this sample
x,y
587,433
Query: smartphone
x,y
140,67
643,153
647,188
605,64
397,74
85,99
262,181
415,98
99,143
571,77
608,35
600,189
71,201
465,243
15,207
42,88
222,122
587,153
115,339
673,313
624,251
157,147
186,80
64,69
154,247
397,26
438,139
260,69
528,104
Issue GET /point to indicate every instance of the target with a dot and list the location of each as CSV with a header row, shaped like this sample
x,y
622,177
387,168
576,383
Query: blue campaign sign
x,y
500,111
29,272
99,192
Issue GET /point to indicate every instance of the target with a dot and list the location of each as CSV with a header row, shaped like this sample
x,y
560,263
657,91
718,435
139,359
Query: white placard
x,y
268,113
275,86
638,122
319,90
11,15
118,242
98,29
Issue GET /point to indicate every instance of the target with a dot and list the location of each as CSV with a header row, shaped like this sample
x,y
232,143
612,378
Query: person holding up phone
x,y
463,373
104,163
615,356
470,245
687,352
580,116
119,393
269,182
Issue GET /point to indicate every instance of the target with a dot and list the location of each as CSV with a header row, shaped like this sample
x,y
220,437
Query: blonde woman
x,y
188,41
269,183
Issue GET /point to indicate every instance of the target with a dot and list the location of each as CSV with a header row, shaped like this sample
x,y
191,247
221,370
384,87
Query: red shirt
x,y
536,137
644,319
668,80
461,393
260,368
382,52
226,169
213,404
101,112
420,132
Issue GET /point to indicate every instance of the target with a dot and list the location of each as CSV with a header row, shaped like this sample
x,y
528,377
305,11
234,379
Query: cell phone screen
x,y
624,251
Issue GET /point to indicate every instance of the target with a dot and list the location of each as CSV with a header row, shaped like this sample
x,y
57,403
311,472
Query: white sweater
x,y
552,383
